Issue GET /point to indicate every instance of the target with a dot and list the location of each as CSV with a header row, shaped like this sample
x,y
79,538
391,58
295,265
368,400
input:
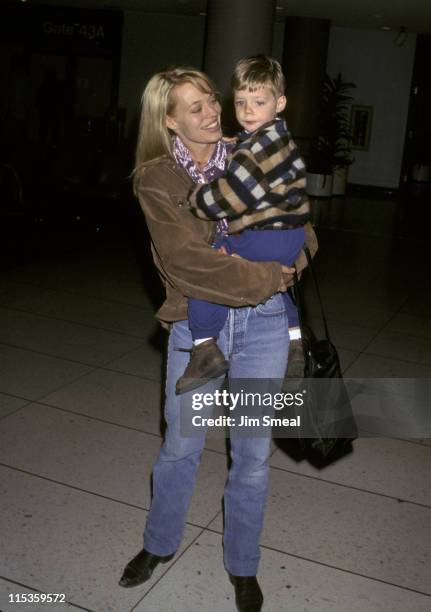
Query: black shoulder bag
x,y
328,427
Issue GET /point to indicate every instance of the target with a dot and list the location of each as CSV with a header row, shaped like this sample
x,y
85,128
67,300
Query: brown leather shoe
x,y
206,362
248,596
140,568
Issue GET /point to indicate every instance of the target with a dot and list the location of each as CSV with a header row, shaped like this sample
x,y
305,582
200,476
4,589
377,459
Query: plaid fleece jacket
x,y
264,184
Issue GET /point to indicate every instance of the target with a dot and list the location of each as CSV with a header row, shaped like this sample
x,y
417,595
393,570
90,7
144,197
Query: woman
x,y
180,143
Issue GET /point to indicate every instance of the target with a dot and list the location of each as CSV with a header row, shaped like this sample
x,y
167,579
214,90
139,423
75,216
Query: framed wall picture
x,y
361,123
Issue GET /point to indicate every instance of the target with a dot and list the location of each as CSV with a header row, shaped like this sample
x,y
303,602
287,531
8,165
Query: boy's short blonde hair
x,y
257,71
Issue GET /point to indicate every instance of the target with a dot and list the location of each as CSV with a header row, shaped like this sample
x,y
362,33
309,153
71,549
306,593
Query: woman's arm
x,y
182,252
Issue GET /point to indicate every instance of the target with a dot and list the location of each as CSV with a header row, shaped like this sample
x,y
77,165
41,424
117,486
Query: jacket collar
x,y
278,124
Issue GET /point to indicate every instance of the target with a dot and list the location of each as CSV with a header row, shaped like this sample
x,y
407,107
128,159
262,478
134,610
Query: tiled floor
x,y
80,425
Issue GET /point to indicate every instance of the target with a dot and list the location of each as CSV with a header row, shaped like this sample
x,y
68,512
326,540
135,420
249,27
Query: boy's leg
x,y
295,368
206,320
283,246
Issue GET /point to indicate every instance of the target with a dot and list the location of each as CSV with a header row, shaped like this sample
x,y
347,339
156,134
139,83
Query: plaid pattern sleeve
x,y
264,180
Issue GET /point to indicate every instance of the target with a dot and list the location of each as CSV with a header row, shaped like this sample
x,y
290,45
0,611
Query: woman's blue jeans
x,y
256,342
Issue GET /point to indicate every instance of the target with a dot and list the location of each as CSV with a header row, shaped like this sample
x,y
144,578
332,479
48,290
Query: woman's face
x,y
195,117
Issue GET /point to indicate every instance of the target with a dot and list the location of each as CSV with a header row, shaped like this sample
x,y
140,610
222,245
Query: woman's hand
x,y
287,274
287,278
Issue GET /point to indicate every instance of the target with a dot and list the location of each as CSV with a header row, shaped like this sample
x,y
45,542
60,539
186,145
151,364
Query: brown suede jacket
x,y
182,252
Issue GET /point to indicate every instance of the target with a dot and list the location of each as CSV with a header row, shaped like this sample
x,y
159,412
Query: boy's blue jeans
x,y
256,343
206,319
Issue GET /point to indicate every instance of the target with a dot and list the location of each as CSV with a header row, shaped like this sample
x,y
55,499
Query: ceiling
x,y
415,15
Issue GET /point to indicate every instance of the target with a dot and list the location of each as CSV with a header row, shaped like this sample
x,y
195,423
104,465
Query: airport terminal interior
x,y
82,362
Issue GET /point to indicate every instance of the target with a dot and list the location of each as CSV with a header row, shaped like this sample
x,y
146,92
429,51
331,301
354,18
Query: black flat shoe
x,y
140,568
248,596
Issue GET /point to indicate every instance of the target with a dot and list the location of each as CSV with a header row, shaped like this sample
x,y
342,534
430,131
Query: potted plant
x,y
343,156
319,168
330,152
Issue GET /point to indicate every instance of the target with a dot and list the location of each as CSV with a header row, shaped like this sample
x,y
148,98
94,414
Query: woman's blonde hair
x,y
154,138
259,70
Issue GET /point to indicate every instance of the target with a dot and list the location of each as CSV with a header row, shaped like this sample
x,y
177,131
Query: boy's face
x,y
254,108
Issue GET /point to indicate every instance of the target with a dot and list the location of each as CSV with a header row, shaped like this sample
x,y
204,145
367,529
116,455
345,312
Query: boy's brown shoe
x,y
206,362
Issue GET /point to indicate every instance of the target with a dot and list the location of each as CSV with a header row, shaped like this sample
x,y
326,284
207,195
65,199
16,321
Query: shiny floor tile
x,y
405,323
374,366
381,465
347,336
68,306
410,348
12,599
145,361
374,536
99,263
78,548
101,458
198,581
347,358
9,403
31,375
345,304
63,339
114,397
99,284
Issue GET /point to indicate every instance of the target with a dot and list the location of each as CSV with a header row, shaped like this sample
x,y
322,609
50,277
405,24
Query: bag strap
x,y
300,297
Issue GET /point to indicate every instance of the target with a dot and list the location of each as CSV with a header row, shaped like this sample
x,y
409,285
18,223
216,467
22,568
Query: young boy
x,y
262,194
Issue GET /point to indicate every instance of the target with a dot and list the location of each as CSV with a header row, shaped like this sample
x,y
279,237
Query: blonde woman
x,y
180,144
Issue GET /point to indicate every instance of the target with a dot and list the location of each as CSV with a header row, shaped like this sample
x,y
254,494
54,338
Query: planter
x,y
340,181
319,185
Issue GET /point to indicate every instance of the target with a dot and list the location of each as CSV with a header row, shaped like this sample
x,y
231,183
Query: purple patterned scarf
x,y
213,169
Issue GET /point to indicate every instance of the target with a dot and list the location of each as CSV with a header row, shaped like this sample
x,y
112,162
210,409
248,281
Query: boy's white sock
x,y
294,333
200,340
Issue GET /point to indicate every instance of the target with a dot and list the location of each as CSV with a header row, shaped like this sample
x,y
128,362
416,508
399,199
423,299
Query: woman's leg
x,y
258,344
175,468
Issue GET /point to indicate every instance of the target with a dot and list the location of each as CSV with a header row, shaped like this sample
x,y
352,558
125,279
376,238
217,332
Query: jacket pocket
x,y
179,200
